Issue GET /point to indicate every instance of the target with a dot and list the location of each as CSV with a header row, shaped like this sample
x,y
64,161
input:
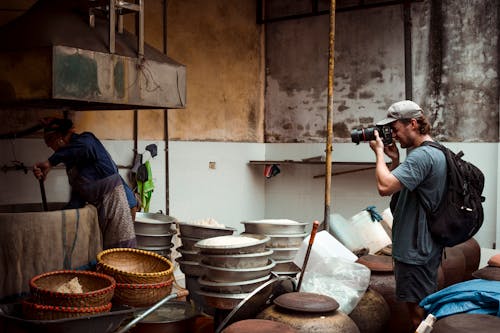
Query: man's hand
x,y
392,151
377,144
387,183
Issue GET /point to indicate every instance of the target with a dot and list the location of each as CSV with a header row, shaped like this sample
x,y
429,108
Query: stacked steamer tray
x,y
154,233
285,238
234,267
189,261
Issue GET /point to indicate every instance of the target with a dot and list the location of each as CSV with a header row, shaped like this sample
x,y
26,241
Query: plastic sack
x,y
360,231
338,278
387,216
324,246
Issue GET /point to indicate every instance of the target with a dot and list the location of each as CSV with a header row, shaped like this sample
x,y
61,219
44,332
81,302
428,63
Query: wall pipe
x,y
165,119
329,118
408,51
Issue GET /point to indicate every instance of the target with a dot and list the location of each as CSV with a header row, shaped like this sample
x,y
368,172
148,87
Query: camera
x,y
368,134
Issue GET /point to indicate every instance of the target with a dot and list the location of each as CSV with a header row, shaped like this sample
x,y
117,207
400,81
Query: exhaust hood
x,y
59,55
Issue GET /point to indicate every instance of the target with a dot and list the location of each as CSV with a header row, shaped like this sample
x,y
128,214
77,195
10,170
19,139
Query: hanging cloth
x,y
145,185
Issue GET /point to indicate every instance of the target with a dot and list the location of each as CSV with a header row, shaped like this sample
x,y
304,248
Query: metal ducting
x,y
60,54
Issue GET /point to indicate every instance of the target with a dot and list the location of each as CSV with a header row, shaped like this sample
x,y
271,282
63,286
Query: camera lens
x,y
363,135
370,133
357,136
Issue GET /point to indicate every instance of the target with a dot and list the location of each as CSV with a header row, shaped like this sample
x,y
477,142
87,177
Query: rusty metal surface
x,y
51,58
306,302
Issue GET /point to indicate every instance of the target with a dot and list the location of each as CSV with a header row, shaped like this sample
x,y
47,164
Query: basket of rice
x,y
127,265
34,311
141,294
72,288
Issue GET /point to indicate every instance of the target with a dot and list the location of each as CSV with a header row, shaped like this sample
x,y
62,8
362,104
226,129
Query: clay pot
x,y
453,266
306,322
258,325
466,323
472,253
309,312
382,281
372,313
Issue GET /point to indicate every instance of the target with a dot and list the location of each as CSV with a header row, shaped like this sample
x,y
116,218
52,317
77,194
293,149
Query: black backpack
x,y
460,213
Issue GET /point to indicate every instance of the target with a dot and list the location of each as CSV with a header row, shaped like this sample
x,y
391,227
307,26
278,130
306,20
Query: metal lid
x,y
487,273
377,263
258,300
306,302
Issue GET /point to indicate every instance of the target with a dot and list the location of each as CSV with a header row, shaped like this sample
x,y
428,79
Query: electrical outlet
x,y
211,165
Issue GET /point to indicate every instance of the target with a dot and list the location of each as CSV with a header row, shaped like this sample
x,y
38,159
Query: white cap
x,y
402,110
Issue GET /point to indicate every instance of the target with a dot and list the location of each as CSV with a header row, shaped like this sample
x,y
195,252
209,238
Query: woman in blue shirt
x,y
94,179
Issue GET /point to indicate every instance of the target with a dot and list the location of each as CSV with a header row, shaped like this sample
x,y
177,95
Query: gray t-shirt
x,y
423,171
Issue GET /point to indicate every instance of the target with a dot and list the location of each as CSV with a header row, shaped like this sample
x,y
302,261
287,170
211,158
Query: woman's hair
x,y
58,125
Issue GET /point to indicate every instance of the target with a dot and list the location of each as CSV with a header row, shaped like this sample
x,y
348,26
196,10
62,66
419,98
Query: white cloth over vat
x,y
37,242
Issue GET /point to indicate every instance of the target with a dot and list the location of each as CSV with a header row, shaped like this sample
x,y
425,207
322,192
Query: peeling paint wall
x,y
455,70
220,43
369,73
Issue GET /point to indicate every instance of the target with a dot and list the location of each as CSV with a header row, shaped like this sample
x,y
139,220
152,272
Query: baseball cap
x,y
402,110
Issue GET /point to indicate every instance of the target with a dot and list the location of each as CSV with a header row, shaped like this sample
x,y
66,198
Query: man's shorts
x,y
415,282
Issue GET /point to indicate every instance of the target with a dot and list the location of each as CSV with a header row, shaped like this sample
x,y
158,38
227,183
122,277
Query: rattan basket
x,y
33,311
129,265
97,289
141,295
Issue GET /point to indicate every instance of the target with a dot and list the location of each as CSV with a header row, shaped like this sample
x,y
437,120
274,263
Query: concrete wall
x,y
223,49
454,77
454,65
369,73
222,46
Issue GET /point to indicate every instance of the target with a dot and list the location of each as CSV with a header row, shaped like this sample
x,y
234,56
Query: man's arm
x,y
387,183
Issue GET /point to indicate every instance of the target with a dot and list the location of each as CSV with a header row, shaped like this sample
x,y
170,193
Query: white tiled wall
x,y
234,191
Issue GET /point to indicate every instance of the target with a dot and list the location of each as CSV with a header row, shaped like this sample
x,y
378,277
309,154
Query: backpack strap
x,y
443,149
433,144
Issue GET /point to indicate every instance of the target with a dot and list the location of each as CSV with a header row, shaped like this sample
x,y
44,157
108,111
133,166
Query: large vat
x,y
33,241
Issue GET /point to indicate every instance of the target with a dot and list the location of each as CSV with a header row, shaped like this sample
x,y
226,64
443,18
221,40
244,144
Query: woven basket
x,y
135,266
129,265
33,311
97,289
141,295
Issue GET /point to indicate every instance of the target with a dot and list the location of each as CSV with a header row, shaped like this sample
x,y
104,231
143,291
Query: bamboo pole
x,y
329,118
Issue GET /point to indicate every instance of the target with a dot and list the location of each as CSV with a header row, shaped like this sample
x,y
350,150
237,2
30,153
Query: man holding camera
x,y
419,180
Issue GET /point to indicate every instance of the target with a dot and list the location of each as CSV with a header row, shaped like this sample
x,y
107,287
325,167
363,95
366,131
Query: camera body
x,y
368,134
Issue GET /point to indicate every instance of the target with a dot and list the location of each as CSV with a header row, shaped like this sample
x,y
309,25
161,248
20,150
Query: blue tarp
x,y
473,296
